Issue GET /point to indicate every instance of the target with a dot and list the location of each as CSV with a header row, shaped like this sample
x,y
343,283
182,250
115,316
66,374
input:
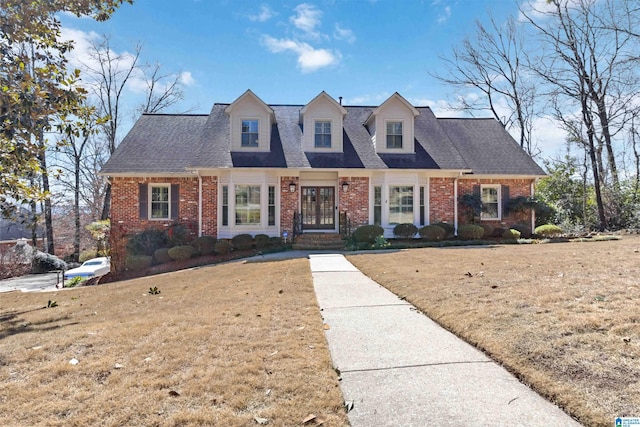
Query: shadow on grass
x,y
13,324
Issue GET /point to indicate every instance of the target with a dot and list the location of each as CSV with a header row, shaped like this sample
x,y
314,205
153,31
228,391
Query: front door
x,y
318,208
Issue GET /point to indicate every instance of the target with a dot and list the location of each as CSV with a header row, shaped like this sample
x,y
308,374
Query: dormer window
x,y
323,134
250,133
394,134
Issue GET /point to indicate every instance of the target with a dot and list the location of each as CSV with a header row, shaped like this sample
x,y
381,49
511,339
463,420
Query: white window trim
x,y
250,147
387,209
404,134
149,201
498,187
232,228
330,147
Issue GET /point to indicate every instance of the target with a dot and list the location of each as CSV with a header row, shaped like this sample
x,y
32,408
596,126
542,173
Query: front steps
x,y
319,241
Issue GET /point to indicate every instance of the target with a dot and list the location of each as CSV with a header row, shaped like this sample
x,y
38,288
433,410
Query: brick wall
x,y
517,188
288,203
441,200
355,201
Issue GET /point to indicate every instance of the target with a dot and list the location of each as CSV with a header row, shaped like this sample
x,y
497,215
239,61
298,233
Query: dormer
x,y
322,122
391,126
250,121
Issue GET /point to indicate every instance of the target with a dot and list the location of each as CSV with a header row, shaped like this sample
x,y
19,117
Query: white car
x,y
95,267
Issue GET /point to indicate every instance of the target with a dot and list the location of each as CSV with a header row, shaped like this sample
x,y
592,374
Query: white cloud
x,y
368,99
444,15
343,34
186,78
264,15
309,58
306,19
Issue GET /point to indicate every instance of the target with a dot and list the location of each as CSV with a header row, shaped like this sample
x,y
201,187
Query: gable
x,y
322,124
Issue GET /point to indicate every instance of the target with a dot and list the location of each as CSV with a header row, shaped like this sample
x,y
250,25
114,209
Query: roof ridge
x,y
177,114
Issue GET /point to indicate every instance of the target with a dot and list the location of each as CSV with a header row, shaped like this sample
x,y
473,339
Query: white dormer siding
x,y
322,116
391,126
247,115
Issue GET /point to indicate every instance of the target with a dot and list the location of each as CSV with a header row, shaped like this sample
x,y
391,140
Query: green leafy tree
x,y
34,84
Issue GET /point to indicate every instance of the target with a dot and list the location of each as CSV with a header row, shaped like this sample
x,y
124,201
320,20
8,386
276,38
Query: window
x,y
394,134
272,205
323,134
225,205
490,202
249,133
377,205
247,204
401,205
160,202
422,207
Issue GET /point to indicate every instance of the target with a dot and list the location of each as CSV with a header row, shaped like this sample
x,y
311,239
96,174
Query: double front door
x,y
318,208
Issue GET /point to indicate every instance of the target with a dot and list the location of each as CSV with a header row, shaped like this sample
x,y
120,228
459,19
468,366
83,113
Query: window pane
x,y
247,204
249,133
401,205
272,205
225,205
394,134
322,134
490,203
377,205
159,202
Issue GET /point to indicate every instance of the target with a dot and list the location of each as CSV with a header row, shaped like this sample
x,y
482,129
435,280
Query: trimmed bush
x,y
275,241
242,242
488,230
262,241
548,230
470,232
138,262
182,252
405,231
223,247
448,229
432,233
511,234
525,231
43,262
205,245
178,235
161,256
367,233
498,231
146,242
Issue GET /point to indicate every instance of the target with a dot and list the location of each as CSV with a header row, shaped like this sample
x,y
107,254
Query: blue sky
x,y
289,51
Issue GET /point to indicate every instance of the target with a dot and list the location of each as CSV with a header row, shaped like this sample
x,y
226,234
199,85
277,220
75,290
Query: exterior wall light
x,y
292,187
345,186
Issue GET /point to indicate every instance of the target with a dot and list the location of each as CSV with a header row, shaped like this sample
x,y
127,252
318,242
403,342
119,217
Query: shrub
x,y
178,235
449,230
498,231
73,282
432,233
161,256
242,242
511,234
525,231
470,232
367,233
275,241
488,230
205,245
138,262
43,262
405,231
262,241
146,242
223,247
548,230
182,252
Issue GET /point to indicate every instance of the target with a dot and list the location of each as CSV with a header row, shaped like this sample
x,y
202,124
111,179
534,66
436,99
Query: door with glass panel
x,y
318,208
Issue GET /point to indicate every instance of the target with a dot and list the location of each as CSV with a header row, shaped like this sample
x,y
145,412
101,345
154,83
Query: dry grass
x,y
218,346
563,317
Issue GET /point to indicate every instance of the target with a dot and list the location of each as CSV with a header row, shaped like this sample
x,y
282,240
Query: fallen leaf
x,y
261,421
118,366
74,361
174,393
309,418
348,405
326,327
268,392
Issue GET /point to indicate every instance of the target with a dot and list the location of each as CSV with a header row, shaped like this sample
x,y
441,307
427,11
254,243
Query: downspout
x,y
199,204
455,206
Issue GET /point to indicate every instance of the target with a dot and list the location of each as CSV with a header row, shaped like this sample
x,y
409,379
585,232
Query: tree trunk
x,y
106,207
76,212
48,221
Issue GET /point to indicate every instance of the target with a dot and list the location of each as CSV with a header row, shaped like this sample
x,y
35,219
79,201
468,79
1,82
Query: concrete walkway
x,y
399,368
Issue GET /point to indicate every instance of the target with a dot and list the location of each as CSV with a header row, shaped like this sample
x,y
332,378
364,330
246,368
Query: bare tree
x,y
493,62
163,90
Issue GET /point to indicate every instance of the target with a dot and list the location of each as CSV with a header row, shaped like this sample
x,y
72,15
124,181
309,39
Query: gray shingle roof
x,y
172,143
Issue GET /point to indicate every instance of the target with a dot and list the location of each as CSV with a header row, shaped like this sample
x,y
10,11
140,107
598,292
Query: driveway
x,y
30,283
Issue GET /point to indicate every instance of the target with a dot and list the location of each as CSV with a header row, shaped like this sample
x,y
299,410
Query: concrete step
x,y
311,241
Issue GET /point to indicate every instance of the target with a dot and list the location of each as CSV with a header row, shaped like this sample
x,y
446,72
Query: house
x,y
252,167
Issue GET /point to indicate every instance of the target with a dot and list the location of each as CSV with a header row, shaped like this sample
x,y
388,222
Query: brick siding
x,y
517,188
355,201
